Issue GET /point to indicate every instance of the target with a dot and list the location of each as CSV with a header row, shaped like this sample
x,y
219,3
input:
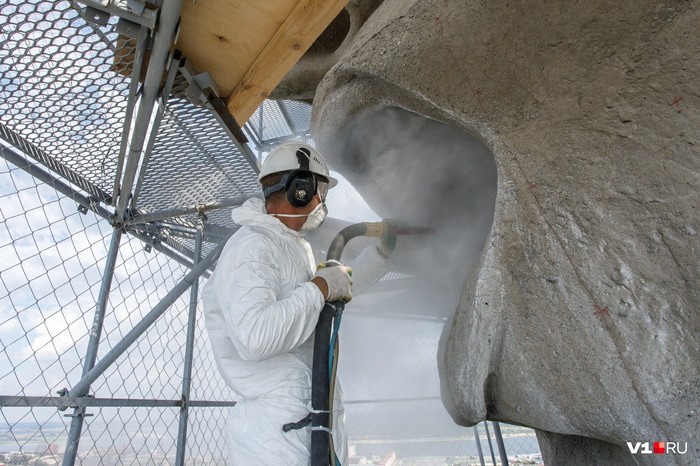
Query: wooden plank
x,y
297,33
225,37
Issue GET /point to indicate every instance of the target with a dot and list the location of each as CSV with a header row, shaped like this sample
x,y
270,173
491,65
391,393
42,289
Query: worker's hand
x,y
334,282
387,242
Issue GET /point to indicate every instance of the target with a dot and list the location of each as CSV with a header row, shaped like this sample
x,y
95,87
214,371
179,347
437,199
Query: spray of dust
x,y
424,173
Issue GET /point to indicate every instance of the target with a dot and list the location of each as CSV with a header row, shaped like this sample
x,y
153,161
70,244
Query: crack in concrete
x,y
614,335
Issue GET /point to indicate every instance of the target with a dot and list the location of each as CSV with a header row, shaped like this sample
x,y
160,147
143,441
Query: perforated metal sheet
x,y
277,120
58,90
64,101
194,161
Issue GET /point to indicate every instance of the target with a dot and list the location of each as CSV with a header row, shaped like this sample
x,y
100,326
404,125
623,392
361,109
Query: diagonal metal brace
x,y
83,385
202,91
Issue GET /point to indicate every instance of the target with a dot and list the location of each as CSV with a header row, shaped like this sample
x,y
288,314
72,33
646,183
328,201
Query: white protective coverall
x,y
261,311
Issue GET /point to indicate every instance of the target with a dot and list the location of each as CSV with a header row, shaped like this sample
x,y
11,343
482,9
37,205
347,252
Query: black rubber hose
x,y
320,388
320,378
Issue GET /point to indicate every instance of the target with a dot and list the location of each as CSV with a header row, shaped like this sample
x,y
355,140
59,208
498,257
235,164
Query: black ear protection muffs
x,y
300,185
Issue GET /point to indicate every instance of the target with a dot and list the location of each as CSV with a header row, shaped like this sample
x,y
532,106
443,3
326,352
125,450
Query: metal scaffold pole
x,y
478,446
79,413
162,42
189,353
158,310
499,443
488,437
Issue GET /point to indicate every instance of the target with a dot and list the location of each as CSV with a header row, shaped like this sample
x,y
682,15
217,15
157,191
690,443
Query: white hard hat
x,y
294,156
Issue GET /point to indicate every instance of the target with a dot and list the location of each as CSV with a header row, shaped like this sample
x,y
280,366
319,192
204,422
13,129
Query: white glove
x,y
339,282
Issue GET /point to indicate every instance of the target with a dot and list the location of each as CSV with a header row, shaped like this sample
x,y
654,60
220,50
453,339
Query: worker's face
x,y
312,205
309,217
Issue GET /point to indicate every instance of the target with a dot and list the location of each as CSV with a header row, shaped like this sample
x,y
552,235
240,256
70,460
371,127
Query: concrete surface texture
x,y
300,83
578,315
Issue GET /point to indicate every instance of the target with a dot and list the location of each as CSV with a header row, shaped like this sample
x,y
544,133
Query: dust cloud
x,y
424,173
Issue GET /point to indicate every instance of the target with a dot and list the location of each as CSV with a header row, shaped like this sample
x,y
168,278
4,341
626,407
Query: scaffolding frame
x,y
144,111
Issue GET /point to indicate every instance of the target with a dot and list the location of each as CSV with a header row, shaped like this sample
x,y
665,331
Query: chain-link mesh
x,y
50,276
49,271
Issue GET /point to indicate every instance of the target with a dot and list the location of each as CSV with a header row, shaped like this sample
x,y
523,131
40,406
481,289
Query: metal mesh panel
x,y
193,162
48,274
57,89
151,368
299,113
276,120
207,385
51,272
206,442
36,433
126,436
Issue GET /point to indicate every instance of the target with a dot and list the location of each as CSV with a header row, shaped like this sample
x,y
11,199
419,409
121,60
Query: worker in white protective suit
x,y
262,303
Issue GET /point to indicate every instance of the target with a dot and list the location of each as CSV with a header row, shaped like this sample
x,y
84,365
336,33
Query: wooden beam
x,y
300,29
225,37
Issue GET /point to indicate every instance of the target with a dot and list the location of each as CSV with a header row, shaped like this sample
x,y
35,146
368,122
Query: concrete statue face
x,y
557,147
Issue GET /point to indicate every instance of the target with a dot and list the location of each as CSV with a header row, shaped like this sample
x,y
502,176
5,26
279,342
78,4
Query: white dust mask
x,y
316,217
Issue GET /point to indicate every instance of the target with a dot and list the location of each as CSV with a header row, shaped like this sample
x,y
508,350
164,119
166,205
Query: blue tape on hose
x,y
331,347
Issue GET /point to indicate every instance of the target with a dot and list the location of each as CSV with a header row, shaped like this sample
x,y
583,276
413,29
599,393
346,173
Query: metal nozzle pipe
x,y
375,229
